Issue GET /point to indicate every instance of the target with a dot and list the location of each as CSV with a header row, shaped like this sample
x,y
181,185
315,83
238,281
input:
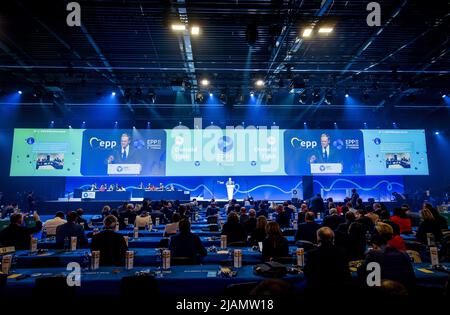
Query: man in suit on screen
x,y
126,154
325,153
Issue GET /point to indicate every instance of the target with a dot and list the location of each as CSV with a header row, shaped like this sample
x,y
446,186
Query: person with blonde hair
x,y
429,224
275,244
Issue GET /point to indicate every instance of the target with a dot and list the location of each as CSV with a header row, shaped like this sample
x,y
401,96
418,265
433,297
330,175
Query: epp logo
x,y
97,143
322,168
225,144
303,144
119,169
377,141
30,140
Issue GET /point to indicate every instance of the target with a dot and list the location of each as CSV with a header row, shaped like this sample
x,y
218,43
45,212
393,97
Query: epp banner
x,y
123,152
324,152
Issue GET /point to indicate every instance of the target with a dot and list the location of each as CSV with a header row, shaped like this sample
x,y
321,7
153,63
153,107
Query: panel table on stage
x,y
161,194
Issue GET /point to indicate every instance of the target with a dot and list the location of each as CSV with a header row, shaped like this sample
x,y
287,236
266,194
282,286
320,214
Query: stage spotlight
x,y
303,98
436,133
325,30
195,30
113,93
178,27
179,123
204,82
115,124
252,93
259,83
365,125
134,127
444,95
347,93
316,95
335,125
211,94
52,124
329,97
251,34
83,125
70,126
223,98
307,32
199,98
19,92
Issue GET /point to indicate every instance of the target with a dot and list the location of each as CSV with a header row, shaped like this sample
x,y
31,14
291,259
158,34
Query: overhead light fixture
x,y
259,83
436,133
178,27
113,93
325,30
195,30
204,82
307,32
20,92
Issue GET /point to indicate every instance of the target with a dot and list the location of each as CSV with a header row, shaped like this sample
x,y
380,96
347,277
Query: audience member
x,y
70,229
112,245
234,230
51,224
17,235
333,219
307,230
186,244
275,244
259,233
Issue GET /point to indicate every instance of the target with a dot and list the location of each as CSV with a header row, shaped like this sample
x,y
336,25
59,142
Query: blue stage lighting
x,y
20,92
113,93
436,133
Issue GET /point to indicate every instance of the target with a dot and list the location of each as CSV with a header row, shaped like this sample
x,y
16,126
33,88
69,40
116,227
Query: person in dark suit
x,y
428,225
307,230
354,198
234,230
326,266
262,210
17,235
212,209
250,224
275,244
112,245
333,219
186,244
126,154
316,204
156,213
283,218
82,221
394,264
69,229
325,154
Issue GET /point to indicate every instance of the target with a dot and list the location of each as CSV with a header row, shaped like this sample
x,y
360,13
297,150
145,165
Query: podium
x,y
230,188
124,169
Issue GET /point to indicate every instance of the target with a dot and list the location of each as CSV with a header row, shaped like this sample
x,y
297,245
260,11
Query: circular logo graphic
x,y
225,144
322,168
197,163
30,140
338,144
253,163
377,141
119,169
139,144
179,140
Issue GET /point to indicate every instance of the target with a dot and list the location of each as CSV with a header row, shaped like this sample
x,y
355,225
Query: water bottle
x,y
66,243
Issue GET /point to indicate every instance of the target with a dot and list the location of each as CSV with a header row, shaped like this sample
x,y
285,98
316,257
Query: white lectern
x,y
230,188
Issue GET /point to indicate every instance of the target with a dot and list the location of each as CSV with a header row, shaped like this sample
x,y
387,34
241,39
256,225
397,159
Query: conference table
x,y
179,280
142,257
134,193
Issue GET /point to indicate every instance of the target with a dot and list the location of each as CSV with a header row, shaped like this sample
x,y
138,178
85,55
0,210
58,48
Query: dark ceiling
x,y
129,47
